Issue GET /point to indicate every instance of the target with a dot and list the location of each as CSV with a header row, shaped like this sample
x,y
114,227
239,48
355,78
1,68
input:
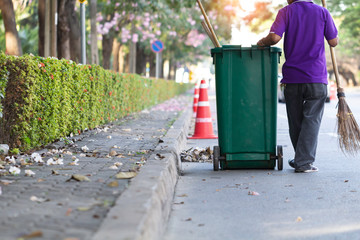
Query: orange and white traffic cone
x,y
203,124
196,98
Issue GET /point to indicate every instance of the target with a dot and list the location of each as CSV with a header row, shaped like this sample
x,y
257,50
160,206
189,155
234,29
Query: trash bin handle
x,y
220,53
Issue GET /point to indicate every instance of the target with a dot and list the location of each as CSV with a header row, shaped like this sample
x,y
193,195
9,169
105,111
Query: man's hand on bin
x,y
269,40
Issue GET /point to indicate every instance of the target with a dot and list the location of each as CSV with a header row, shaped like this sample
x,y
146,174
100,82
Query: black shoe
x,y
291,163
309,170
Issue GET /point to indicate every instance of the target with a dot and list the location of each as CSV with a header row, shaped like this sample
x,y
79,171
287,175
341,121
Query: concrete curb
x,y
142,211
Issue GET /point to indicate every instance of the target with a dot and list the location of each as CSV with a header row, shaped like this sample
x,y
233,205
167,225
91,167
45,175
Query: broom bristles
x,y
347,128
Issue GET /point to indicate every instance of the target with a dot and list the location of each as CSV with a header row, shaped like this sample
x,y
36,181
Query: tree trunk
x,y
132,57
161,73
126,63
53,28
152,60
115,53
121,59
94,46
75,43
41,17
12,40
141,60
63,32
168,77
172,70
107,43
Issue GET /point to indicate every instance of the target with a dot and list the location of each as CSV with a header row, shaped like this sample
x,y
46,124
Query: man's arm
x,y
333,42
269,40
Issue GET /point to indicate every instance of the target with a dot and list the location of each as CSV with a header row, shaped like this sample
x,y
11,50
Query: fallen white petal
x,y
14,170
60,161
118,164
36,158
85,148
113,167
50,161
54,151
29,173
36,199
75,162
10,159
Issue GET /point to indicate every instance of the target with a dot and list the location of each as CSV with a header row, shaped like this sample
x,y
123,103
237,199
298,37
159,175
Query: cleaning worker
x,y
305,25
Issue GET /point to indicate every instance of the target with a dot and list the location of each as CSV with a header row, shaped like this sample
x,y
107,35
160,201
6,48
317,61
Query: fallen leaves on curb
x,y
68,212
113,184
79,178
113,153
34,234
125,175
83,209
159,156
6,182
196,155
183,195
253,193
39,200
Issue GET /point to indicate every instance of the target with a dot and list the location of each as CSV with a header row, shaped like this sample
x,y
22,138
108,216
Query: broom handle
x,y
207,30
336,71
209,24
333,59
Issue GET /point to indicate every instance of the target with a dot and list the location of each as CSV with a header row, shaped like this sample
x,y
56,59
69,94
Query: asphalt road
x,y
323,205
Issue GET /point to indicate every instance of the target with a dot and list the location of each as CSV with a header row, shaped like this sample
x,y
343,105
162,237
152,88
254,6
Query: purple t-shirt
x,y
305,25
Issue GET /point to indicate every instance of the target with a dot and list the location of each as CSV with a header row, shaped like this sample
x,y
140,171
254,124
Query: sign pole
x,y
157,47
83,37
157,75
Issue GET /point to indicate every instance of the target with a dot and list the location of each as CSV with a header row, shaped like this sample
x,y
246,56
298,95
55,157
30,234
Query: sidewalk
x,y
54,204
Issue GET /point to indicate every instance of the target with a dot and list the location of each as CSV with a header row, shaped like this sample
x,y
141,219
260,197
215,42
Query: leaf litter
x,y
125,175
197,155
79,178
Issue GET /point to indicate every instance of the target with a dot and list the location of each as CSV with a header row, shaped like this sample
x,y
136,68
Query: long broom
x,y
347,127
211,32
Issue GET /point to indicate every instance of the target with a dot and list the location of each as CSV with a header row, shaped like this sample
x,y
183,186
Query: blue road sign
x,y
157,46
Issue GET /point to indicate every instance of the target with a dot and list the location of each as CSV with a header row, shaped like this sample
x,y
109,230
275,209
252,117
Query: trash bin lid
x,y
240,48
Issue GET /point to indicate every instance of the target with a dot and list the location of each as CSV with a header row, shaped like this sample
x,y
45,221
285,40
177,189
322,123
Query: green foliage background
x,y
46,98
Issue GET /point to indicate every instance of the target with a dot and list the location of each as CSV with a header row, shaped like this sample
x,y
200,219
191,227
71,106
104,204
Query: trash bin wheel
x,y
280,157
216,156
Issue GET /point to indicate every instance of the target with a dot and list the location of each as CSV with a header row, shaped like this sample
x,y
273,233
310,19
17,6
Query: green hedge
x,y
46,98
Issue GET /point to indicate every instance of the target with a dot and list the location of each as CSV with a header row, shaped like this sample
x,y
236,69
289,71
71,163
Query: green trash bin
x,y
246,100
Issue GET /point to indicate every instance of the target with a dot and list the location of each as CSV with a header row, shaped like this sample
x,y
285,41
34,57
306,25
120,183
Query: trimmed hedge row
x,y
46,98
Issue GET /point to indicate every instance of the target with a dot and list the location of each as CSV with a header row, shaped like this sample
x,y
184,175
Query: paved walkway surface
x,y
271,204
52,204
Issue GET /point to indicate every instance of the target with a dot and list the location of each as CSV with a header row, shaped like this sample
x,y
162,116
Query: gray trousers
x,y
305,107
